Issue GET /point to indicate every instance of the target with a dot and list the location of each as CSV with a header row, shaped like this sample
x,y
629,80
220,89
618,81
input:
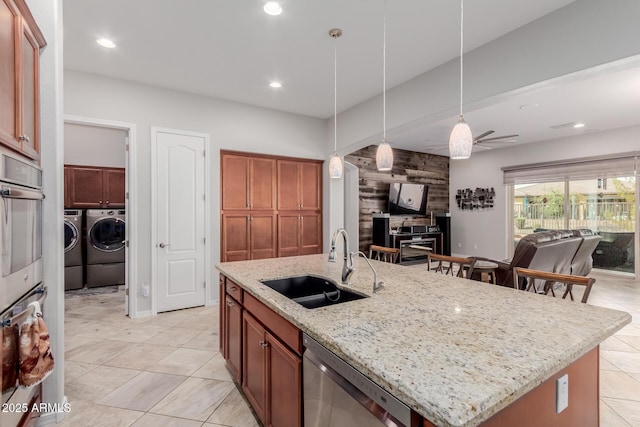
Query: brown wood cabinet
x,y
270,352
248,236
20,44
251,227
299,233
94,187
248,183
299,185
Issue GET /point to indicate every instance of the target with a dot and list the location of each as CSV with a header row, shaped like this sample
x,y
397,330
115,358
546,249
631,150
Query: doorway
x,y
101,155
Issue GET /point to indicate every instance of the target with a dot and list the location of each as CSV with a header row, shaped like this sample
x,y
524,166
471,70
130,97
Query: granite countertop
x,y
456,351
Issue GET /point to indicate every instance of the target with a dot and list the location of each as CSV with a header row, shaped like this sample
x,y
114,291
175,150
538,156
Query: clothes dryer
x,y
73,260
105,247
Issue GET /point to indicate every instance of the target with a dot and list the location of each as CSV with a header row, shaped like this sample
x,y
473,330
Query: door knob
x,y
163,245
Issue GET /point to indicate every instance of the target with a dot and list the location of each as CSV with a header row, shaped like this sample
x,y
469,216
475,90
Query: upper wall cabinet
x,y
94,187
299,185
248,183
20,44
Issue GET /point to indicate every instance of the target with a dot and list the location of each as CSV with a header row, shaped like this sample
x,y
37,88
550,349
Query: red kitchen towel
x,y
36,360
9,357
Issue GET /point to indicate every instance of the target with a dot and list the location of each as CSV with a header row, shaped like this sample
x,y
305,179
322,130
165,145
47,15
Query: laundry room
x,y
94,208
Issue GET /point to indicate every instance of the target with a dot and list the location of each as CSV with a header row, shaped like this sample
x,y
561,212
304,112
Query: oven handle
x,y
15,193
24,313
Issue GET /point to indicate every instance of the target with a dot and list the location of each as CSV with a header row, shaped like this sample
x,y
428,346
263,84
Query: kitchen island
x,y
458,352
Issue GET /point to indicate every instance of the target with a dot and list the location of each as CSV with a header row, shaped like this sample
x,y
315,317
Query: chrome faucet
x,y
347,267
376,286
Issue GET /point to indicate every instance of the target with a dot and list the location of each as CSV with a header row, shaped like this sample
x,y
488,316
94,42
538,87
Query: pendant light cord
x,y
384,72
335,95
461,45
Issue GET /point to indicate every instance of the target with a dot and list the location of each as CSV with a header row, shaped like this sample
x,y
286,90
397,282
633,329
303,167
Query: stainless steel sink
x,y
312,292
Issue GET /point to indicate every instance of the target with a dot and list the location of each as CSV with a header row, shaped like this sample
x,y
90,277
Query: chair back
x,y
382,253
456,266
551,279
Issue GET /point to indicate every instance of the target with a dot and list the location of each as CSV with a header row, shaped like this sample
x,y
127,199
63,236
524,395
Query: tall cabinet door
x,y
9,22
262,184
235,185
29,117
310,186
235,237
233,337
288,185
262,235
310,233
288,234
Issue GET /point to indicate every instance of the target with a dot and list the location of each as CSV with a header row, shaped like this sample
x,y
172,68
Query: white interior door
x,y
181,231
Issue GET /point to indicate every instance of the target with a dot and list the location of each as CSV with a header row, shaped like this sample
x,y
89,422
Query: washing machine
x,y
73,262
105,247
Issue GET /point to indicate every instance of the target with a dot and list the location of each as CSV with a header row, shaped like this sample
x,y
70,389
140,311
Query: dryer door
x,y
107,234
70,236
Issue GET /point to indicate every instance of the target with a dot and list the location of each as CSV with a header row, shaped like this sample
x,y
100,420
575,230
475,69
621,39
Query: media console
x,y
409,254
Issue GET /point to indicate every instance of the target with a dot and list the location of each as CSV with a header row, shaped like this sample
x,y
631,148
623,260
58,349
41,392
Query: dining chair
x,y
383,253
447,265
551,279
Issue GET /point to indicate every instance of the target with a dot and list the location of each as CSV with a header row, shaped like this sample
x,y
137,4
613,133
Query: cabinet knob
x,y
229,303
107,202
233,288
263,344
100,201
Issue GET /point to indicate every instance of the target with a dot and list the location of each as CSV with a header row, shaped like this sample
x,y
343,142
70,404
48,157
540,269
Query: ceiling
x,y
231,49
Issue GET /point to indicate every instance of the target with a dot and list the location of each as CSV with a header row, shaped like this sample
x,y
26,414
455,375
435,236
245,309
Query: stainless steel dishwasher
x,y
337,395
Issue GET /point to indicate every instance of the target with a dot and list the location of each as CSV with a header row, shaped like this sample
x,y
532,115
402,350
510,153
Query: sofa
x,y
556,251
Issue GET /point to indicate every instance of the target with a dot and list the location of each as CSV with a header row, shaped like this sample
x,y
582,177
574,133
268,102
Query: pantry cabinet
x,y
271,206
94,187
20,44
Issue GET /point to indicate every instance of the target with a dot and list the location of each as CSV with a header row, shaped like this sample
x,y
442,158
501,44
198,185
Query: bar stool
x,y
383,253
465,265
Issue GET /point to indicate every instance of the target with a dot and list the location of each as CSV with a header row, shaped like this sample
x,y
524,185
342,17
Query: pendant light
x,y
384,154
461,139
335,164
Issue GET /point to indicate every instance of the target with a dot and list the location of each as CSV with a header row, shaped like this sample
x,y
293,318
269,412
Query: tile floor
x,y
167,371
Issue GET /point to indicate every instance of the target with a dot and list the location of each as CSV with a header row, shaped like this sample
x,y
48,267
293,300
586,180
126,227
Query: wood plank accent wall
x,y
408,166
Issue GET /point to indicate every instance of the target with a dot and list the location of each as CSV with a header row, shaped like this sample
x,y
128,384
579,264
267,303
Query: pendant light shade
x,y
335,167
460,141
384,154
335,164
384,157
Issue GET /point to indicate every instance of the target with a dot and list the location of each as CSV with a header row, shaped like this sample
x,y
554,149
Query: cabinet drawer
x,y
234,290
279,326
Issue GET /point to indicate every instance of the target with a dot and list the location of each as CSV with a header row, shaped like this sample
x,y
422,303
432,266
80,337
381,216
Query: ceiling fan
x,y
480,141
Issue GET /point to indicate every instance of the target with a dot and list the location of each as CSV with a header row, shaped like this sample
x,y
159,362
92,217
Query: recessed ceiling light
x,y
578,125
275,85
106,43
272,8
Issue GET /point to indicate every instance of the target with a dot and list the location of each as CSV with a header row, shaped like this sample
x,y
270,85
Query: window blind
x,y
624,164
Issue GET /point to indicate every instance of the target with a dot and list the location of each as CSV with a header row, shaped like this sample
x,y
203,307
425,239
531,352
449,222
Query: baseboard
x,y
52,418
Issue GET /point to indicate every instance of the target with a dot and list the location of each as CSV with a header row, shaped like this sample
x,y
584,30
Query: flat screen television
x,y
407,199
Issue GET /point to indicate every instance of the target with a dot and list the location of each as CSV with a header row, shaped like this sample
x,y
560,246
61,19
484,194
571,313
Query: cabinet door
x,y
86,187
222,330
233,336
235,186
288,185
262,184
310,233
67,187
9,22
310,186
262,235
288,234
284,379
254,379
114,193
235,237
29,117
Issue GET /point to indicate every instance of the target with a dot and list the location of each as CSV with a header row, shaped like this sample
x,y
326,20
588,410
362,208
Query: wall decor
x,y
478,199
